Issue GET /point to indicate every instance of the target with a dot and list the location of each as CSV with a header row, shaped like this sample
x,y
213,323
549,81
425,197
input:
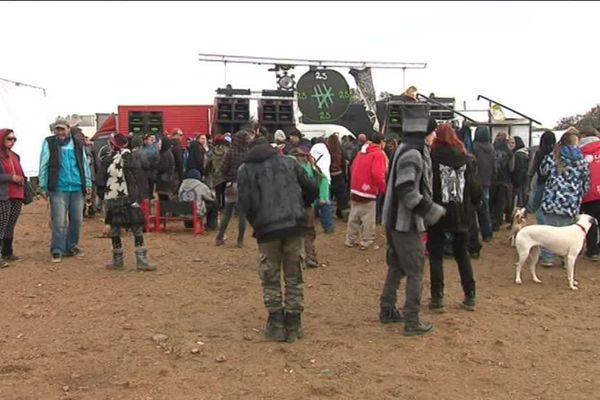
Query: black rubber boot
x,y
117,261
417,327
390,315
293,326
275,326
142,261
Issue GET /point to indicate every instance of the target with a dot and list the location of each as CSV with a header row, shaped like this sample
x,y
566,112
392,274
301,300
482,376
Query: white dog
x,y
519,222
565,241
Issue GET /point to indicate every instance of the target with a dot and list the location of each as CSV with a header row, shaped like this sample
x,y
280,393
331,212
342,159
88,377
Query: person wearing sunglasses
x,y
12,193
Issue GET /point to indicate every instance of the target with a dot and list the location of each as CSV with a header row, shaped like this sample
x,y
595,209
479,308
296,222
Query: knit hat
x,y
119,141
279,136
193,174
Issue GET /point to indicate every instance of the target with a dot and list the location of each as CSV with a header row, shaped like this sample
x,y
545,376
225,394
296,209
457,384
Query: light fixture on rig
x,y
285,79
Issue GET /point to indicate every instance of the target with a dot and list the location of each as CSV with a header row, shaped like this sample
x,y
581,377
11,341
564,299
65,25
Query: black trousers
x,y
435,246
498,201
593,209
341,194
220,192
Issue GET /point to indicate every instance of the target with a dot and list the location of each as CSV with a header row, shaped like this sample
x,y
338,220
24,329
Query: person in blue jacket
x,y
65,177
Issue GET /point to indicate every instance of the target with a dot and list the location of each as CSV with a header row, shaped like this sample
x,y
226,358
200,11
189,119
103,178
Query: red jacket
x,y
591,153
368,172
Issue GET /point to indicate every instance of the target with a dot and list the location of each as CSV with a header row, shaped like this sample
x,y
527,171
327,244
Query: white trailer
x,y
24,109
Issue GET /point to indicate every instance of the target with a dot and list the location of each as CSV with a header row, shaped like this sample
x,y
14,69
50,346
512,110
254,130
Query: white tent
x,y
24,109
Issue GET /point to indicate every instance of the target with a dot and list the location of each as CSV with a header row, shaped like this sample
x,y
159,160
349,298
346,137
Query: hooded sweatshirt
x,y
10,165
590,146
565,186
322,158
484,154
368,173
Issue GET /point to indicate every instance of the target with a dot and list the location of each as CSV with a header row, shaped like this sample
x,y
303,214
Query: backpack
x,y
452,182
501,161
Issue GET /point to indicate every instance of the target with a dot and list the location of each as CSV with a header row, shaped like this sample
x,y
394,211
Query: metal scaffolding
x,y
310,63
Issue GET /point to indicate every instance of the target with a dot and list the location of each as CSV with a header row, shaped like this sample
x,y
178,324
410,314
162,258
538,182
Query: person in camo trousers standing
x,y
273,190
408,210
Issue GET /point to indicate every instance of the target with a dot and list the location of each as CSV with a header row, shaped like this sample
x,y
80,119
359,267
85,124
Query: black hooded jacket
x,y
484,153
458,215
272,191
519,176
165,171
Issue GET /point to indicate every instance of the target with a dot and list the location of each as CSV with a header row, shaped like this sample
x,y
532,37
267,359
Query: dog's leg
x,y
535,255
523,257
571,271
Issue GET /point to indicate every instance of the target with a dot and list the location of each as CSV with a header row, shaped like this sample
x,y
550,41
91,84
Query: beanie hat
x,y
193,174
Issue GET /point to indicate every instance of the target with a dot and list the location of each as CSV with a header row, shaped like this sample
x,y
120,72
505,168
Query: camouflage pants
x,y
310,236
286,254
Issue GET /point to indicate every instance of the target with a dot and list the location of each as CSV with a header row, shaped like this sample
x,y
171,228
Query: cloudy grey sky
x,y
538,57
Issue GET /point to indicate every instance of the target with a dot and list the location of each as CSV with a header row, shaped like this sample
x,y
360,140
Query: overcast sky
x,y
539,57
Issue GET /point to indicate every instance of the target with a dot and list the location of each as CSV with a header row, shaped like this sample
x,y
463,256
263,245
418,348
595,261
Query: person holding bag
x,y
12,194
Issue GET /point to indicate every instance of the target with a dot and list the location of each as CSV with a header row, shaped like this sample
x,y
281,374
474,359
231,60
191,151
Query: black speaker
x,y
231,114
144,122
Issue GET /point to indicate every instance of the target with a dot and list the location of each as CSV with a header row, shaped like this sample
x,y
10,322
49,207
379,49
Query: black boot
x,y
117,261
275,326
437,305
416,327
7,250
293,326
390,315
142,261
437,300
469,301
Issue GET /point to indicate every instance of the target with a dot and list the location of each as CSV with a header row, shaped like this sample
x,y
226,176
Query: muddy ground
x,y
77,331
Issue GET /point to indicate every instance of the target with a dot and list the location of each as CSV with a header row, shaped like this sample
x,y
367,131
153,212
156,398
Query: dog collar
x,y
582,228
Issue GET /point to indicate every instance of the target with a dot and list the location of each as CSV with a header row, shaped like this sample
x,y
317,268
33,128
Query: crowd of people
x,y
436,191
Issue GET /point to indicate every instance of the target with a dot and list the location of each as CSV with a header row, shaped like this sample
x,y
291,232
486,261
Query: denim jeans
x,y
534,205
66,210
483,215
325,211
554,220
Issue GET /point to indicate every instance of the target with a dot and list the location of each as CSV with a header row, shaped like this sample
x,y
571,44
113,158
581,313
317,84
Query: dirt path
x,y
76,331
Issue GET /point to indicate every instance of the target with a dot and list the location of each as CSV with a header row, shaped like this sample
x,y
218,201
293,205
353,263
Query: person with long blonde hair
x,y
568,179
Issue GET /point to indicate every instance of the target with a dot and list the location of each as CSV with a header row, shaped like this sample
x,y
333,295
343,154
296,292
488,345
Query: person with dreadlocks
x,y
121,174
